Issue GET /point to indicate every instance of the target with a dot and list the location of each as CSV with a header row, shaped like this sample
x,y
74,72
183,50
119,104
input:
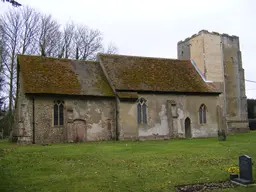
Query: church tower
x,y
218,57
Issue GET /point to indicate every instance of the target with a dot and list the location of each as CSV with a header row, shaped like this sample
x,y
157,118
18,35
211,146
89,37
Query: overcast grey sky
x,y
153,27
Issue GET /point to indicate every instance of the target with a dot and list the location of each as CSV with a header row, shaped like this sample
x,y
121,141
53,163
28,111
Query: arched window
x,y
58,114
141,111
202,114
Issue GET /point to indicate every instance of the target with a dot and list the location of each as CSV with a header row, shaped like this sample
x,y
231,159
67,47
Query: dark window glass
x,y
56,114
61,114
204,114
139,113
144,113
200,115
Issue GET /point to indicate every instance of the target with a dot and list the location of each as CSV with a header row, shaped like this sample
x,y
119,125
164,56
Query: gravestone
x,y
245,167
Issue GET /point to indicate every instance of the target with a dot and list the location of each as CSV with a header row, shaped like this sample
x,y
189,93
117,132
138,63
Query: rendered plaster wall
x,y
128,120
99,116
165,121
90,119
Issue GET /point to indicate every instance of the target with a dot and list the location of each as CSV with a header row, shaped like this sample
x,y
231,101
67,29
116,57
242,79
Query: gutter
x,y
33,120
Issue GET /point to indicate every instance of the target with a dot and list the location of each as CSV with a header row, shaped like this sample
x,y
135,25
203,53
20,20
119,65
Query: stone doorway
x,y
187,128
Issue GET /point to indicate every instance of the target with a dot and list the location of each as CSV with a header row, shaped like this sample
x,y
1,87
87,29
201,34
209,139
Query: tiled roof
x,y
62,76
154,74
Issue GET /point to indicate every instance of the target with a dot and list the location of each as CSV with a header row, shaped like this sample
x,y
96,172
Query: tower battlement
x,y
203,31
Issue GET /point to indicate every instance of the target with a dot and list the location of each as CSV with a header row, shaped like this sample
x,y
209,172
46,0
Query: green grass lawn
x,y
122,166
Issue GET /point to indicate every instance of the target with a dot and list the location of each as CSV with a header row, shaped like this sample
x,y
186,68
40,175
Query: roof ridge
x,y
61,59
142,57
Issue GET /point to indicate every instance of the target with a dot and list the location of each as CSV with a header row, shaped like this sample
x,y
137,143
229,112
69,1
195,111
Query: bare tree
x,y
2,54
18,31
3,57
11,25
75,41
30,30
111,49
65,42
88,42
2,47
49,36
68,37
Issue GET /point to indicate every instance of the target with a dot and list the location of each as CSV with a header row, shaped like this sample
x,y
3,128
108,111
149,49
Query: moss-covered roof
x,y
154,74
62,76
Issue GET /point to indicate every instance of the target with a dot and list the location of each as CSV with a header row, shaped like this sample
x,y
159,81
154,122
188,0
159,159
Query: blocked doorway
x,y
79,130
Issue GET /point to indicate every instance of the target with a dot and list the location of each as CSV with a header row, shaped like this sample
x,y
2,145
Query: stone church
x,y
120,97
